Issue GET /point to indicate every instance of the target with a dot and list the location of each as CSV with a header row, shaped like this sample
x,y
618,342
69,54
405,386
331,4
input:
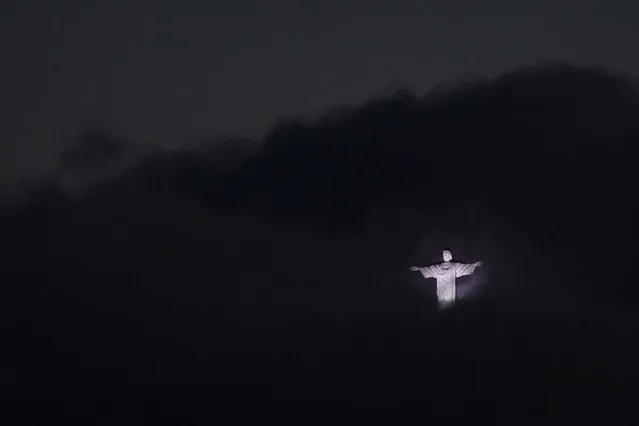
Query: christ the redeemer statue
x,y
446,273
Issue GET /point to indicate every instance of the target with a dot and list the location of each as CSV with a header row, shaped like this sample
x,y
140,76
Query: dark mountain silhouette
x,y
274,275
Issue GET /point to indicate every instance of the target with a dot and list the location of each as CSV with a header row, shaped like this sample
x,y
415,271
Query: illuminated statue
x,y
446,273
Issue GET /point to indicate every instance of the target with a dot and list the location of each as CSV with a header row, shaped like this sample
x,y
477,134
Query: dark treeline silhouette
x,y
144,284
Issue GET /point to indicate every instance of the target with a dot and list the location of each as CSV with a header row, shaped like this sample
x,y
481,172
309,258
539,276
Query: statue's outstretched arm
x,y
463,269
427,271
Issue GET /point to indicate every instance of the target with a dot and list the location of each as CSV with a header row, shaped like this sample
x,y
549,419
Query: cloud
x,y
279,252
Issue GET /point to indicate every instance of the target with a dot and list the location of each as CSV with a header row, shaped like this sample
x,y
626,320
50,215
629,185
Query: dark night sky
x,y
196,281
163,71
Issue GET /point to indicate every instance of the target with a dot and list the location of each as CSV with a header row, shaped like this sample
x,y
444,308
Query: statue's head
x,y
447,255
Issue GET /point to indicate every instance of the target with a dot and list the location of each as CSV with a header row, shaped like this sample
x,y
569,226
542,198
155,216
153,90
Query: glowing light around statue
x,y
446,274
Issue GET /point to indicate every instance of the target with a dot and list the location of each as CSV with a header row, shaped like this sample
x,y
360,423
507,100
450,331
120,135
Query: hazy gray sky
x,y
160,71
